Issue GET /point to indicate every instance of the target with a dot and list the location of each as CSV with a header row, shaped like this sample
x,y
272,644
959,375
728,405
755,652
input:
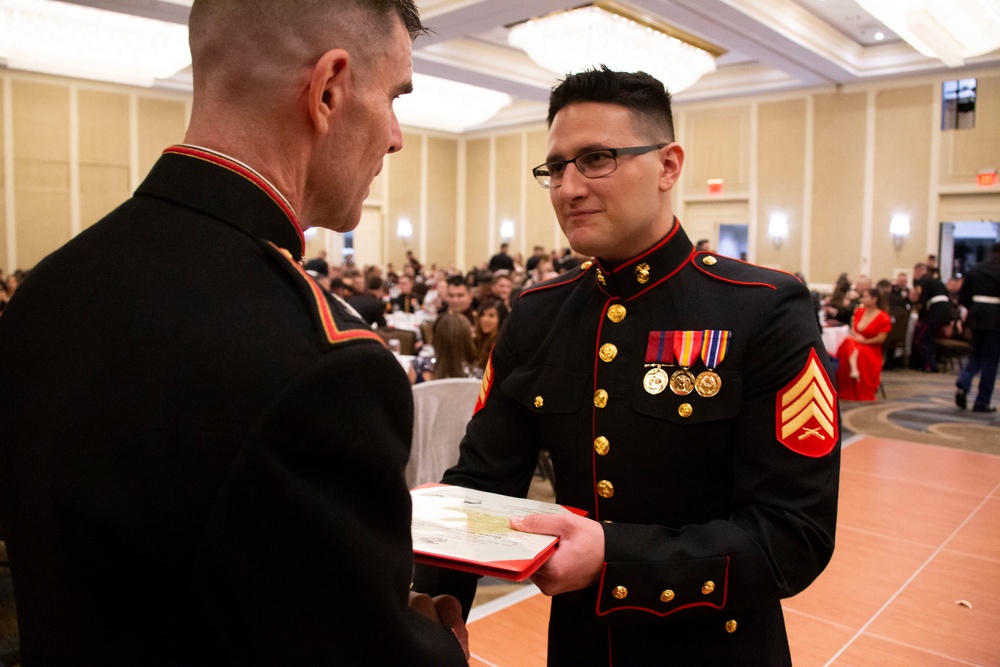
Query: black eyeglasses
x,y
592,164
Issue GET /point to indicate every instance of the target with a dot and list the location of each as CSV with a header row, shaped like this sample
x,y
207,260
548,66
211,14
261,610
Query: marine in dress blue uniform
x,y
201,449
980,293
202,454
685,401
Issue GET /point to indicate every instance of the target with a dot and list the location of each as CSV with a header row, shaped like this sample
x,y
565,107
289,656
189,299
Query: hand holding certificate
x,y
469,530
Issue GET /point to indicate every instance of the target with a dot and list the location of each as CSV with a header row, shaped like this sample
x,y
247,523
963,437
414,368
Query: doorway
x,y
733,240
965,244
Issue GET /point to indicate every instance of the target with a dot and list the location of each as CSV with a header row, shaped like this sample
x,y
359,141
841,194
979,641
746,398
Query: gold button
x,y
685,410
600,278
709,261
730,627
586,265
600,398
616,313
666,596
707,587
619,593
642,273
605,489
602,446
539,401
608,352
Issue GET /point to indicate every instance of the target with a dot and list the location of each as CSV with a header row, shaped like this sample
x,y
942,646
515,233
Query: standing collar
x,y
633,277
227,189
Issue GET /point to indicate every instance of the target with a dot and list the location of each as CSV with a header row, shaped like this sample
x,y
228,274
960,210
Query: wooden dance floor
x,y
913,580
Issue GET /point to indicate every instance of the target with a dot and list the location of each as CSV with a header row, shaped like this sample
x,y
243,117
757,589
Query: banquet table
x,y
833,337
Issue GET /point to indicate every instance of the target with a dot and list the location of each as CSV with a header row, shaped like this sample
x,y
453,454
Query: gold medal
x,y
708,384
655,381
682,382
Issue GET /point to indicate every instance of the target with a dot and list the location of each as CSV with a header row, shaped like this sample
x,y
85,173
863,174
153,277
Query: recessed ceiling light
x,y
879,36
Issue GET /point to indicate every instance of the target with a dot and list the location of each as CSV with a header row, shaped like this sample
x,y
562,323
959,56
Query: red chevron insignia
x,y
487,385
806,420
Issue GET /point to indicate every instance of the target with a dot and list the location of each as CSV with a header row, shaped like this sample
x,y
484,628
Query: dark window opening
x,y
958,104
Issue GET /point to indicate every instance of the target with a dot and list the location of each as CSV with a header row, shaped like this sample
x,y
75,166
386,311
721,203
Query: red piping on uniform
x,y
727,280
663,279
666,239
737,282
725,597
333,334
250,176
667,613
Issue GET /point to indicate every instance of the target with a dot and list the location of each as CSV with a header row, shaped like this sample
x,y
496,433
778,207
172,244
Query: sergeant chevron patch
x,y
806,420
484,391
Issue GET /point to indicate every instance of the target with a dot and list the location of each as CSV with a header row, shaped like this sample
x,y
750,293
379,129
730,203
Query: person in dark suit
x,y
980,293
930,296
685,401
369,304
501,261
207,468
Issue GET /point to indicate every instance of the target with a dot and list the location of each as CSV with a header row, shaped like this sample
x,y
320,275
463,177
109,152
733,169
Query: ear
x,y
672,161
328,88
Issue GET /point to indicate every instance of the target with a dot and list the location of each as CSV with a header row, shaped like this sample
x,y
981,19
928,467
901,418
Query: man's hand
x,y
447,611
578,559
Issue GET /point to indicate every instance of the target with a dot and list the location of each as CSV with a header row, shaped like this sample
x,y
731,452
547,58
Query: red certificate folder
x,y
467,530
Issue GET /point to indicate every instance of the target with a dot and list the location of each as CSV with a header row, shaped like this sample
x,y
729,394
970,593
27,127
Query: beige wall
x,y
838,163
73,151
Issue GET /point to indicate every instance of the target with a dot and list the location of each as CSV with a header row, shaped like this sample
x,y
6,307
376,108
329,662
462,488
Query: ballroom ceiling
x,y
770,45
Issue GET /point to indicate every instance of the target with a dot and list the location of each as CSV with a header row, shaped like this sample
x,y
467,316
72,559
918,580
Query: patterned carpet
x,y
920,407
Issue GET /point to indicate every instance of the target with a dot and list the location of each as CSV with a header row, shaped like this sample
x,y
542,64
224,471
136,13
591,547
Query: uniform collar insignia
x,y
631,278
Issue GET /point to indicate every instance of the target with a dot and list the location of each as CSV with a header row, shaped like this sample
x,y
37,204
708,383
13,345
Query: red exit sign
x,y
987,178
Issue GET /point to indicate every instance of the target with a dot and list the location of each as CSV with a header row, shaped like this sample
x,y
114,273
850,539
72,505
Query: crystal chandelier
x,y
584,38
950,30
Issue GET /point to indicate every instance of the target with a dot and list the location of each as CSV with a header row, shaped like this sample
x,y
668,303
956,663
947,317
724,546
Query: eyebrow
x,y
585,149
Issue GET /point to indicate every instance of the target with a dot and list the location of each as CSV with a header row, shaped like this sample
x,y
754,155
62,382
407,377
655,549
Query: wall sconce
x,y
777,229
404,229
899,227
507,230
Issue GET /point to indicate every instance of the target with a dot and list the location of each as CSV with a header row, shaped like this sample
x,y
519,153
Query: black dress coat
x,y
202,454
713,507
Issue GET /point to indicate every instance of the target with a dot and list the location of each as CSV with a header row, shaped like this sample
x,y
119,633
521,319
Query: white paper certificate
x,y
452,522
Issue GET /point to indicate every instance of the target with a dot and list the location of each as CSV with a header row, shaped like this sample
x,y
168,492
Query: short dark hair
x,y
374,283
457,281
640,93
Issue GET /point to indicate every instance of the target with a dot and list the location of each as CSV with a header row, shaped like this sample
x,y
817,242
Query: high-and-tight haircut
x,y
640,93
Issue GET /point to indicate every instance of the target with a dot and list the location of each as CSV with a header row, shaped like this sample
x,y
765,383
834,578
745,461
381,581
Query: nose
x,y
395,135
574,184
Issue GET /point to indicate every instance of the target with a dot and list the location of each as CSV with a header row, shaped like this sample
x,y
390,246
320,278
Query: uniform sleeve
x,y
779,533
499,454
307,557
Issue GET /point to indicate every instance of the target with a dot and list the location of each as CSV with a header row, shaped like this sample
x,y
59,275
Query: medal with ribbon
x,y
687,348
714,346
659,352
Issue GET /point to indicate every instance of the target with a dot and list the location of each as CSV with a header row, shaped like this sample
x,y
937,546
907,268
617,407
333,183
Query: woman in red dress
x,y
860,355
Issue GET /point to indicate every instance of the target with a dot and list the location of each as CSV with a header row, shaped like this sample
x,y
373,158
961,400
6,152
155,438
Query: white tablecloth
x,y
833,337
406,321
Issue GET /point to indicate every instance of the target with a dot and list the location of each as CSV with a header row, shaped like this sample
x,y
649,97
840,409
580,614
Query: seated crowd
x,y
878,316
459,314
